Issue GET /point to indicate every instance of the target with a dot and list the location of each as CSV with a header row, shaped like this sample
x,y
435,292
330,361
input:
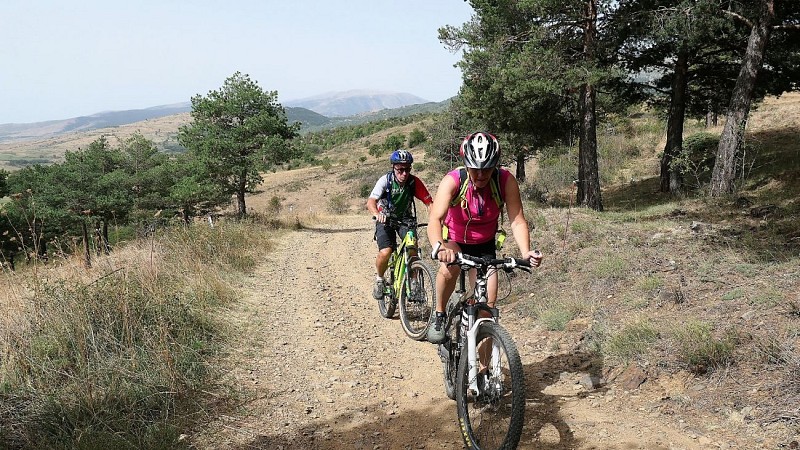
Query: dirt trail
x,y
328,372
323,370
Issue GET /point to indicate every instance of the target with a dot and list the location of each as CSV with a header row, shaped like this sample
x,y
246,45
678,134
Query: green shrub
x,y
557,169
394,142
554,317
364,190
326,164
337,204
700,350
274,206
610,266
632,341
416,137
696,159
376,150
649,284
733,294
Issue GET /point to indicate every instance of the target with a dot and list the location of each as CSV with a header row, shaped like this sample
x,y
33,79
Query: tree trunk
x,y
521,166
732,134
588,173
98,237
106,244
671,179
87,255
241,186
711,118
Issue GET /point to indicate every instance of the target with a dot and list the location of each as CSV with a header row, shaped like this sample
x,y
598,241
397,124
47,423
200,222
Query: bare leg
x,y
446,278
382,260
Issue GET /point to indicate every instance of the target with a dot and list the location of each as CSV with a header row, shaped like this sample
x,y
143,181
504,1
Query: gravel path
x,y
321,369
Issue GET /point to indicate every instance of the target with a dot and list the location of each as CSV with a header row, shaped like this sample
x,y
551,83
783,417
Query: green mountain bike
x,y
410,283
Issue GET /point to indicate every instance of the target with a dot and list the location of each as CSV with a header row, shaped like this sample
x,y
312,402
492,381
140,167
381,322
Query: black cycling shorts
x,y
484,250
387,235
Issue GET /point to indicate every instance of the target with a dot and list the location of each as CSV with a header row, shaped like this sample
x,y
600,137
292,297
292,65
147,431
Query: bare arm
x,y
519,225
438,210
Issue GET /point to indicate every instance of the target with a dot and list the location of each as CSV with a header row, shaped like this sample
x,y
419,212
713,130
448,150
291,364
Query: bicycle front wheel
x,y
492,417
417,300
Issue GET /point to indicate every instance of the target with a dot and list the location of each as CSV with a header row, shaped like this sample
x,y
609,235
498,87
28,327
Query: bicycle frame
x,y
401,258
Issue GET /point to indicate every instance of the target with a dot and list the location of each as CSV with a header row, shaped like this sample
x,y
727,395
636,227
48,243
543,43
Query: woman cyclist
x,y
467,208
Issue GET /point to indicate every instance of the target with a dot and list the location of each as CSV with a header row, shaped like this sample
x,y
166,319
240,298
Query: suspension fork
x,y
472,352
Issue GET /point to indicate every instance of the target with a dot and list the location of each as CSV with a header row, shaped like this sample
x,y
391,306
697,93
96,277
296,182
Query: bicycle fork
x,y
473,359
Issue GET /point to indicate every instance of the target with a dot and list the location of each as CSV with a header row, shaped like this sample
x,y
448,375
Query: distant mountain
x,y
22,131
46,142
350,103
403,111
313,112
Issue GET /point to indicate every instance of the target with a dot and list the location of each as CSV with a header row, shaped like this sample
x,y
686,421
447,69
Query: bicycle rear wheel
x,y
492,418
417,300
388,303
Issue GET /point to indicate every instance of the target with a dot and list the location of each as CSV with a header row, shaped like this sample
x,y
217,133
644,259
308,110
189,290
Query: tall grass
x,y
119,356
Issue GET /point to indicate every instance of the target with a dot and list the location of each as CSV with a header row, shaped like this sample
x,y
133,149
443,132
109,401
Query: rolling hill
x,y
46,142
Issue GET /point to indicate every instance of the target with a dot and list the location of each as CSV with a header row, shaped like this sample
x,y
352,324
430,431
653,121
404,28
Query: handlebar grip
x,y
436,249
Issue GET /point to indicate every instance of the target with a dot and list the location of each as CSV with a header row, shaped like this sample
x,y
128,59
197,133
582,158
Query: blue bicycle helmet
x,y
401,157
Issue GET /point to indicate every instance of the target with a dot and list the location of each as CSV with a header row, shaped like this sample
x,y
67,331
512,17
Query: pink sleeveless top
x,y
476,223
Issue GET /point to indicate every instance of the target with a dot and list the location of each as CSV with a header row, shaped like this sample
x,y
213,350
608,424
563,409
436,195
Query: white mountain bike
x,y
482,367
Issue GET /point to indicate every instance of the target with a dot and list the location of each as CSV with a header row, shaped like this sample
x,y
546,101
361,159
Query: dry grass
x,y
119,355
677,284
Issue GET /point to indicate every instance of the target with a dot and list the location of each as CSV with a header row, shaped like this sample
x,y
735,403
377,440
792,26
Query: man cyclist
x,y
393,198
468,206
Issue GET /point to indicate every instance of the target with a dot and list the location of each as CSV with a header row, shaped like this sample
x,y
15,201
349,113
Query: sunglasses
x,y
403,169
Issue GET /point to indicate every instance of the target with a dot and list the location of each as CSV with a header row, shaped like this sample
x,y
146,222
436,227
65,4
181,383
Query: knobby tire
x,y
417,308
493,419
388,303
453,344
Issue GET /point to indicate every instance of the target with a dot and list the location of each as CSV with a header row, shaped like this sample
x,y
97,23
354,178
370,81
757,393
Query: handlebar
x,y
468,261
397,222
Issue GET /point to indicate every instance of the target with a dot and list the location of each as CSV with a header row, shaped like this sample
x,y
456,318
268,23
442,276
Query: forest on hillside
x,y
545,76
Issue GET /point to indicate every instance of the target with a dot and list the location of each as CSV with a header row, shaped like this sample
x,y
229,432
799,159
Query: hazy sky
x,y
61,59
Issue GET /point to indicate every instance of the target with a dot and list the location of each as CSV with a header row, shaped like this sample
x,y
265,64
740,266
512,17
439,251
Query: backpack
x,y
494,184
387,192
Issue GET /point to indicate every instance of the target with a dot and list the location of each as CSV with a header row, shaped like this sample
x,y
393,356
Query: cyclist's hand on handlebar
x,y
443,252
380,217
535,258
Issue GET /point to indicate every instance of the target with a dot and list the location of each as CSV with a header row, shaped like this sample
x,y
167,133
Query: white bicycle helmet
x,y
480,151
